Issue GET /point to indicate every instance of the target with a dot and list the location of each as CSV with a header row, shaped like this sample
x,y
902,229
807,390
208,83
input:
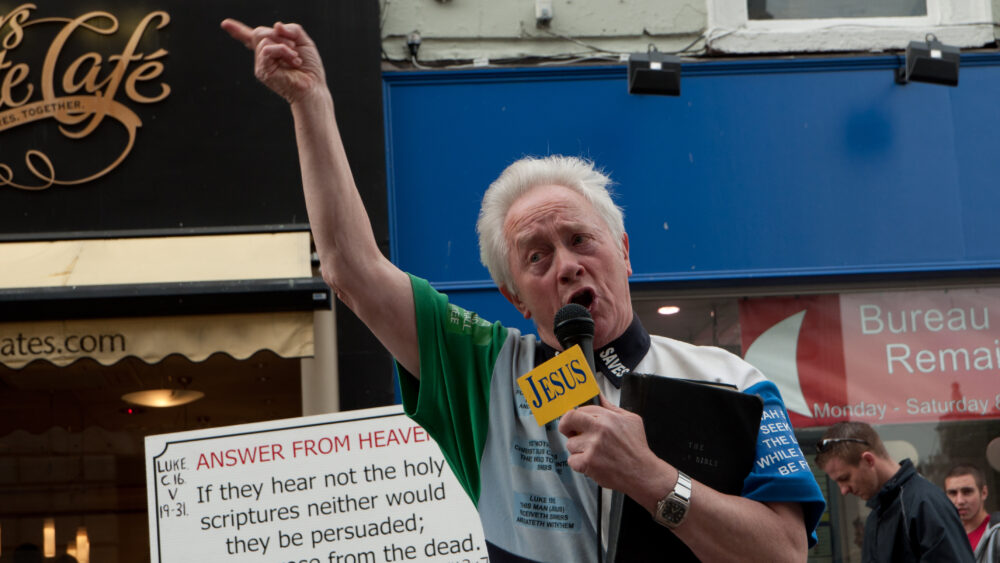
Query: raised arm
x,y
286,61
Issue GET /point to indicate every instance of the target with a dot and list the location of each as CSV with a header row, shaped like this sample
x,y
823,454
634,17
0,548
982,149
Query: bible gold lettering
x,y
89,89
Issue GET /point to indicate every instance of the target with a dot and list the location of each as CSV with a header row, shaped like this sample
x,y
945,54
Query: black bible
x,y
704,429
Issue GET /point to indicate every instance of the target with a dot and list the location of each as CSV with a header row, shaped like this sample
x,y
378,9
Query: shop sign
x,y
77,89
914,356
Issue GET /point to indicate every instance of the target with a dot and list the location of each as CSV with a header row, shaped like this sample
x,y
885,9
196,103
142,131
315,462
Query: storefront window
x,y
768,26
920,366
788,10
72,451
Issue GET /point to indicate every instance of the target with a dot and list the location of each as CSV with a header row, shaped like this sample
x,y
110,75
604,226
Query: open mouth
x,y
583,297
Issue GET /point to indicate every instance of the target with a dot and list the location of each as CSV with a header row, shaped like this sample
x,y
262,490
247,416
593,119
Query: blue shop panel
x,y
759,168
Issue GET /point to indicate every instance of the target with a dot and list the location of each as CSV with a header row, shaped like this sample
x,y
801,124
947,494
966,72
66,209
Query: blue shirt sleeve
x,y
781,472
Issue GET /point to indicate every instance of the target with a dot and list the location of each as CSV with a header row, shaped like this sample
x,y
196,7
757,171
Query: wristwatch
x,y
671,509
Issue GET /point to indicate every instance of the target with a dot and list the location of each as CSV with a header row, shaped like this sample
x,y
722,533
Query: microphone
x,y
573,325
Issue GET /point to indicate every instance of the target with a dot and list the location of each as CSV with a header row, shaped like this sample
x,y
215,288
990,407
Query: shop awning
x,y
288,334
150,297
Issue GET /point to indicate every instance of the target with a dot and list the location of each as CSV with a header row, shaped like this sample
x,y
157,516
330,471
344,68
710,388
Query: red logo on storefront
x,y
878,357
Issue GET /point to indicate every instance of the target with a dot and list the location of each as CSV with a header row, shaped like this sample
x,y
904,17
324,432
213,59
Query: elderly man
x,y
549,235
966,489
911,519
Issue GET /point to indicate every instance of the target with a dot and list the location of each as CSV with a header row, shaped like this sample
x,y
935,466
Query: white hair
x,y
575,173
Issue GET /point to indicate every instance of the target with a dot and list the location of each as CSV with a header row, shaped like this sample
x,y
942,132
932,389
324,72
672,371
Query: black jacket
x,y
912,520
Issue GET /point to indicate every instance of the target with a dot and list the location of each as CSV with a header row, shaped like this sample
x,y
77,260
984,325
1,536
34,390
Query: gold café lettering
x,y
84,97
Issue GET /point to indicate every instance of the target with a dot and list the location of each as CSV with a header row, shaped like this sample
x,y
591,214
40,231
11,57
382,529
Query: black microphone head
x,y
572,322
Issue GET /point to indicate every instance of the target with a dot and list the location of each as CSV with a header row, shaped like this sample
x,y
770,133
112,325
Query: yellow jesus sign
x,y
558,385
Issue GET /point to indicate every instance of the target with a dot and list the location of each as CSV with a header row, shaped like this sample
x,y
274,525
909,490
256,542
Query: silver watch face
x,y
673,510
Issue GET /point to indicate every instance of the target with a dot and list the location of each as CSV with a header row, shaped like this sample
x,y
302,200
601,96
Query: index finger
x,y
575,422
239,31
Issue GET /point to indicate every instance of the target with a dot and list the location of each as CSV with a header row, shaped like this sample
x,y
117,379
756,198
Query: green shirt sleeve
x,y
458,350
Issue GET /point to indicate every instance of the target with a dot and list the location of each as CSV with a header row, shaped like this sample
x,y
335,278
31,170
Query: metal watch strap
x,y
672,509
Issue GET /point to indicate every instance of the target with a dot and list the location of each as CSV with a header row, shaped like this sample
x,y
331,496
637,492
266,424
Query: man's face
x,y
561,252
860,480
966,497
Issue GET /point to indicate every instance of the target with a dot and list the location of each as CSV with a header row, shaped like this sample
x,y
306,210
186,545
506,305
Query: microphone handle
x,y
587,347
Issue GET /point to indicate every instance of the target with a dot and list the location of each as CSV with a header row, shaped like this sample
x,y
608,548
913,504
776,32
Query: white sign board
x,y
359,486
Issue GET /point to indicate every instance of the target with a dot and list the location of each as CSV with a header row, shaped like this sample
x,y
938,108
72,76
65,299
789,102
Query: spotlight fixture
x,y
543,13
413,41
654,72
162,397
930,61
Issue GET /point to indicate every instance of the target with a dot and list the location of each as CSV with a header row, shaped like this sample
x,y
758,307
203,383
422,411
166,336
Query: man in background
x,y
910,519
966,489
